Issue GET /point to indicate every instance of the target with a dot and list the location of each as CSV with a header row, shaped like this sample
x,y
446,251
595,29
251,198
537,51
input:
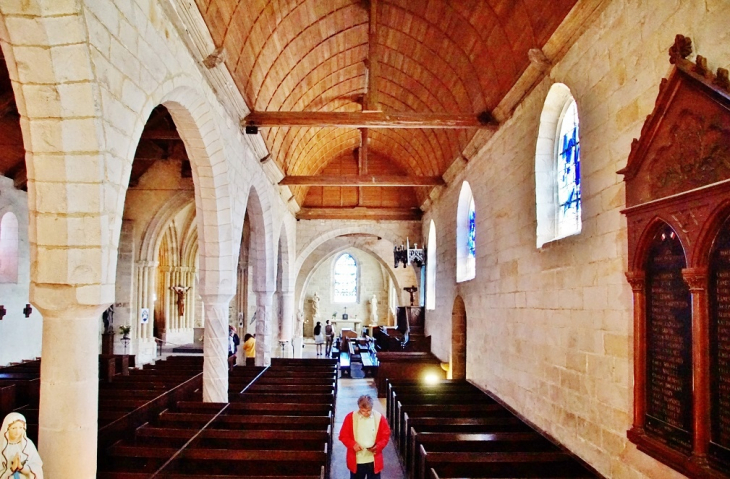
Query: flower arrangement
x,y
125,330
334,315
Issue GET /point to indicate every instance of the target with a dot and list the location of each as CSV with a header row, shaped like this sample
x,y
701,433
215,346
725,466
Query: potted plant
x,y
125,331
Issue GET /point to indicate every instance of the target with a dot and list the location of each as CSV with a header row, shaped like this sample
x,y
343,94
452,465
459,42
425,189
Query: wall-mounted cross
x,y
27,310
3,311
411,290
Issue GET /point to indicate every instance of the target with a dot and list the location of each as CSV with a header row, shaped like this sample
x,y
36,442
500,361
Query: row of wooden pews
x,y
452,429
278,423
20,391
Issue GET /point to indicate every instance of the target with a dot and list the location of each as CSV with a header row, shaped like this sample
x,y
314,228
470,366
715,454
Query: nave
x,y
284,421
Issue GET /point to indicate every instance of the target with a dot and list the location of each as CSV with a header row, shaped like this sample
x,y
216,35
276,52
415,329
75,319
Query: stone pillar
x,y
286,300
215,350
190,299
167,299
264,305
69,391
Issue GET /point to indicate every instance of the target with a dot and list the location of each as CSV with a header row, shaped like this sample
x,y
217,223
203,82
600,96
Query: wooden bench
x,y
503,464
460,425
459,442
453,410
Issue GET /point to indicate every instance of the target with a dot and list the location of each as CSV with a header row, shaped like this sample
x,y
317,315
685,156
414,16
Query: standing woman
x,y
318,338
19,458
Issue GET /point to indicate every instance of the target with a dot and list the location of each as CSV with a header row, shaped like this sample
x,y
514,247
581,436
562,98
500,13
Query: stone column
x,y
264,306
215,349
167,299
70,391
145,291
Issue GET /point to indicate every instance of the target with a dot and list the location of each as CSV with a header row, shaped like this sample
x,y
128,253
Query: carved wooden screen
x,y
678,216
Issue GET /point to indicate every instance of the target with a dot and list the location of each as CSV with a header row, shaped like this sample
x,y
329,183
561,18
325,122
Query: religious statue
x,y
108,318
315,305
374,310
18,455
180,292
411,290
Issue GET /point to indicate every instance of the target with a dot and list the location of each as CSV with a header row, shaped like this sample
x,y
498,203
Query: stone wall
x,y
550,329
372,280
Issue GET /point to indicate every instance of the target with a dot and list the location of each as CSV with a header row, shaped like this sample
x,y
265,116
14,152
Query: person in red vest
x,y
365,433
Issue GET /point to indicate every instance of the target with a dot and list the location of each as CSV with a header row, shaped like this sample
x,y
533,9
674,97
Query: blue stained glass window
x,y
568,170
345,279
471,240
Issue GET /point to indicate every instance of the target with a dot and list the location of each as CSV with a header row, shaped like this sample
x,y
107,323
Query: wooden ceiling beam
x,y
366,119
360,213
362,180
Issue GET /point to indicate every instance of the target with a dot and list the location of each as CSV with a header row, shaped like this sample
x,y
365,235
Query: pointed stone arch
x,y
458,340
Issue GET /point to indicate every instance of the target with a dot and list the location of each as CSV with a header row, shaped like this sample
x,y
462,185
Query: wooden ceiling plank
x,y
360,213
366,119
370,101
362,180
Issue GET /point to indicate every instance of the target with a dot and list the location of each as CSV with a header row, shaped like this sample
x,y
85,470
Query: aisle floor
x,y
348,390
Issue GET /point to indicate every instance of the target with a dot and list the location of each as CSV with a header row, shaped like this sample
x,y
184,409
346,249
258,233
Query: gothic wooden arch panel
x,y
678,174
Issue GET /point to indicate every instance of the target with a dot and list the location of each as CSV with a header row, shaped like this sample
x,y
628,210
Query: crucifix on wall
x,y
411,290
180,292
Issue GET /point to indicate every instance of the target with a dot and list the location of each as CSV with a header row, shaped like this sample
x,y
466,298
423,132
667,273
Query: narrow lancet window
x,y
345,279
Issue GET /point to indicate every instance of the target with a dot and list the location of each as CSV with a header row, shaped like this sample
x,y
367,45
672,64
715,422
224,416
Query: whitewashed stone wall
x,y
372,280
550,329
21,336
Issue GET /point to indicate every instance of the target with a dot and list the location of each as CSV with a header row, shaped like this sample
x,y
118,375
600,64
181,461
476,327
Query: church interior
x,y
530,199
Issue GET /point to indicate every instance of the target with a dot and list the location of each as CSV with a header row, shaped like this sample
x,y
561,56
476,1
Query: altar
x,y
345,323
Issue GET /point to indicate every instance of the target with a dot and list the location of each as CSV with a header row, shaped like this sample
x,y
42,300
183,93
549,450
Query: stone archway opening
x,y
457,369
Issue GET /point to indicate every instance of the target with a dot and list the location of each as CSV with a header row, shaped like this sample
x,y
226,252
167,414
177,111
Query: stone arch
x,y
194,120
457,369
261,251
374,229
312,263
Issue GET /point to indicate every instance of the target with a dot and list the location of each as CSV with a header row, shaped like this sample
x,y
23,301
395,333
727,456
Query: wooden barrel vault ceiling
x,y
364,104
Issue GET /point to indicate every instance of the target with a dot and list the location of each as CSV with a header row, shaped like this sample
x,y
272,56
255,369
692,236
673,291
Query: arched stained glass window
x,y
466,231
568,169
557,167
345,279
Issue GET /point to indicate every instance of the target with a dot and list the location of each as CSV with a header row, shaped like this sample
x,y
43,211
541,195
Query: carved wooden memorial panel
x,y
719,299
669,343
678,214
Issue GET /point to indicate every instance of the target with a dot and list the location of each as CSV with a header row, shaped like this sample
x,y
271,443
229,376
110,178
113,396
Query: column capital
x,y
696,278
637,280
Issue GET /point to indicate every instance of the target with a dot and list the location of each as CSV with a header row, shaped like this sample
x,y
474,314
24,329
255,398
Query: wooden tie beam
x,y
362,180
366,119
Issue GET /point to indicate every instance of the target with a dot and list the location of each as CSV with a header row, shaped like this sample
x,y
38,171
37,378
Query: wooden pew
x,y
452,410
394,388
503,464
459,424
196,463
459,442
